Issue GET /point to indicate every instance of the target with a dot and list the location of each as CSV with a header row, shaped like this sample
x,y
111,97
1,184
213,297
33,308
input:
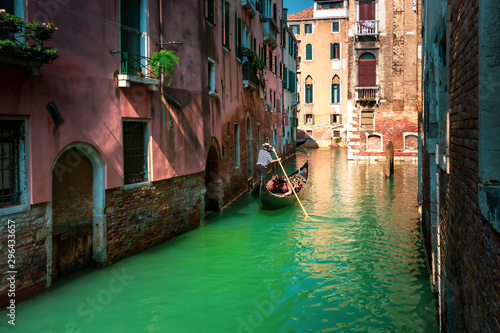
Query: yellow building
x,y
322,73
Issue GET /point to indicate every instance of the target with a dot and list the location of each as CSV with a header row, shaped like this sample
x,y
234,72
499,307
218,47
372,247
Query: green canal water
x,y
356,266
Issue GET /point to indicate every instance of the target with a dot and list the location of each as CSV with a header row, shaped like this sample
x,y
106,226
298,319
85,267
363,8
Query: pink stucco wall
x,y
82,84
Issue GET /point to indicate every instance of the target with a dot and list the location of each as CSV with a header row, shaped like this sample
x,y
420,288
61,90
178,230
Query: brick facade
x,y
468,246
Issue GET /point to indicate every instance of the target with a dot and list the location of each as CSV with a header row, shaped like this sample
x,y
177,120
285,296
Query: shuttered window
x,y
366,10
335,27
309,52
292,81
334,51
367,70
225,25
309,90
209,11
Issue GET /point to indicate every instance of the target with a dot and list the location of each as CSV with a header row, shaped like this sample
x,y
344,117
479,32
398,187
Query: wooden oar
x,y
290,183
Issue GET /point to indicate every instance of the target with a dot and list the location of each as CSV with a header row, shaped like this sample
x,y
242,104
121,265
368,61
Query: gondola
x,y
271,201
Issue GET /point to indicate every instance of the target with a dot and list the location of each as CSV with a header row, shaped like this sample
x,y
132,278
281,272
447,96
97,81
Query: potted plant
x,y
254,60
164,61
7,47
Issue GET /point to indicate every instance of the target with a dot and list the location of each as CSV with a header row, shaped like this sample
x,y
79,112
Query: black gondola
x,y
271,201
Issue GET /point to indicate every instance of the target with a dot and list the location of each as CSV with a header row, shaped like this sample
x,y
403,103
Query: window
x,y
335,26
292,81
367,70
334,51
225,25
209,11
309,90
411,141
309,52
309,119
285,77
133,22
367,118
135,143
13,166
336,134
295,29
211,76
271,60
374,142
308,29
236,145
335,118
237,45
274,101
335,89
366,10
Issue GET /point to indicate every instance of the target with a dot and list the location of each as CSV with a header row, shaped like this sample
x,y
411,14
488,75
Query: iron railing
x,y
135,65
250,75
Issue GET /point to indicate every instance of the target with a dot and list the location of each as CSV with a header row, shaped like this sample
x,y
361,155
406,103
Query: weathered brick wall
x,y
141,217
470,246
30,255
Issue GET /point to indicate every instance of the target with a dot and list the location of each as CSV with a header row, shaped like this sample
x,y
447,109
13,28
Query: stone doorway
x,y
213,182
72,213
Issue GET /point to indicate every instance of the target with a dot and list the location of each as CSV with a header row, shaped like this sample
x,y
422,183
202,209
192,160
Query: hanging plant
x,y
10,23
254,59
164,61
7,47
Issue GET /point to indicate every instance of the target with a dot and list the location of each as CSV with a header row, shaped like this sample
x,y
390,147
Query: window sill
x,y
137,185
226,49
14,209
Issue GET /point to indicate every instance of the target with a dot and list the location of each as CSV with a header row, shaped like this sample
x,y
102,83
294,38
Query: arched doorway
x,y
72,204
213,182
77,212
367,73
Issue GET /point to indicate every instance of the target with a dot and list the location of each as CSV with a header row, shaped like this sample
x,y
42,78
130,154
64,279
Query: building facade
x,y
384,39
460,161
102,156
322,73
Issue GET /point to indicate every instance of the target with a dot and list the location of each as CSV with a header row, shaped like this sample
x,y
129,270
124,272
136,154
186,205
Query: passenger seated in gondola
x,y
277,186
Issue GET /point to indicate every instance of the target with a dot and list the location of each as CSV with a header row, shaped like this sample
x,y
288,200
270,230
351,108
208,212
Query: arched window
x,y
309,52
334,51
335,89
309,89
367,70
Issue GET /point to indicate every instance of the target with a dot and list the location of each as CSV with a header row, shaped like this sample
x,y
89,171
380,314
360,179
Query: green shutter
x,y
305,118
331,51
332,98
331,119
313,119
340,118
309,52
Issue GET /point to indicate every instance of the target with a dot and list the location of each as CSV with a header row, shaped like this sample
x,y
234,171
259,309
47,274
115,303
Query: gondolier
x,y
264,160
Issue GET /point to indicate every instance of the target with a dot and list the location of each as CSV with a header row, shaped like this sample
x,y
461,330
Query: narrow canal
x,y
358,266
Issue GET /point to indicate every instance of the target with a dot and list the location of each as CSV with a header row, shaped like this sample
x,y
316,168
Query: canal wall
x,y
460,161
144,216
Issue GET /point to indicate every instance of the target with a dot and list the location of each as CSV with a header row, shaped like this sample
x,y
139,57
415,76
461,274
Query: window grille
x,y
134,152
11,134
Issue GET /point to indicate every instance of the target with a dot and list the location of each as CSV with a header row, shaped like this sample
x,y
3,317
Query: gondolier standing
x,y
264,160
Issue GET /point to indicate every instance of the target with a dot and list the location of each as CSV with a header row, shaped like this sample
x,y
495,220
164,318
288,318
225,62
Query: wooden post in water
x,y
389,159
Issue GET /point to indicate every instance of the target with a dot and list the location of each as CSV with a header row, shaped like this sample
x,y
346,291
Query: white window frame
x,y
312,30
381,141
405,135
335,32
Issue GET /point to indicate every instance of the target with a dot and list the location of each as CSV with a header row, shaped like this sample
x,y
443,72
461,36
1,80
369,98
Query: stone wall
x,y
470,246
140,217
30,256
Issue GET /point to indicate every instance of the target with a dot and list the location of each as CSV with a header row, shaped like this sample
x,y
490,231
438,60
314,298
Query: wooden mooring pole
x,y
389,159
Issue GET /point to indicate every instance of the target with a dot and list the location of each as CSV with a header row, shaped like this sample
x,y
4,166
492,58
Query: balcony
x,y
136,68
367,94
249,5
22,43
270,33
250,78
367,28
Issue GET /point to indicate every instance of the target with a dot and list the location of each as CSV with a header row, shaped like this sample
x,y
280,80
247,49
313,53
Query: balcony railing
x,y
367,94
270,33
136,68
250,6
250,77
22,43
367,28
